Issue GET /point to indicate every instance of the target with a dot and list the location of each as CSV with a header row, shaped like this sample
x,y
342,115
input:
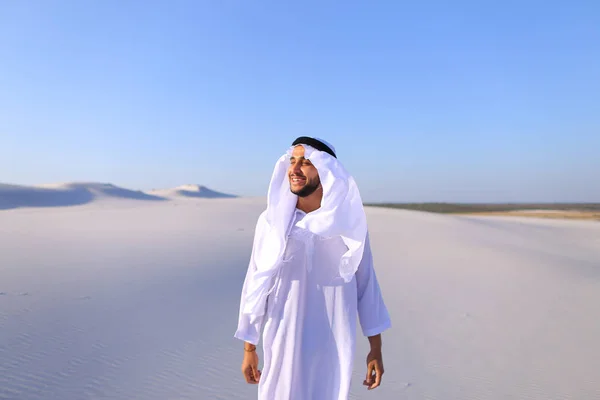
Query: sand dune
x,y
191,190
15,196
64,194
79,193
141,303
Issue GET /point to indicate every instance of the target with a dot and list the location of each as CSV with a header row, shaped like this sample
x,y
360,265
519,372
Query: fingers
x,y
248,375
251,374
378,374
256,374
369,379
374,375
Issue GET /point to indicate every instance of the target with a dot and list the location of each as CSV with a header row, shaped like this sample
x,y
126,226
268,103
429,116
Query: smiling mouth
x,y
297,181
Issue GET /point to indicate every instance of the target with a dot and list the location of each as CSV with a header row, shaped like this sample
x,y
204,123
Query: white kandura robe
x,y
309,328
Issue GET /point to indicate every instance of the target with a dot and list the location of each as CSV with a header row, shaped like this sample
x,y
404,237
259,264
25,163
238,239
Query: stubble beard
x,y
308,189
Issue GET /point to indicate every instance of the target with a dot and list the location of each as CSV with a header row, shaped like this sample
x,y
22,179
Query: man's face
x,y
304,177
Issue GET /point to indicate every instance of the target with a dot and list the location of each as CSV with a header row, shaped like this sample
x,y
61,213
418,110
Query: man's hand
x,y
250,364
374,364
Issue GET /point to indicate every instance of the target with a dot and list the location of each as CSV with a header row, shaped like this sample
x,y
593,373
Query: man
x,y
310,275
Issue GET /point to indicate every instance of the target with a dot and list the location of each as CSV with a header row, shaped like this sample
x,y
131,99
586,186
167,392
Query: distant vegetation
x,y
453,208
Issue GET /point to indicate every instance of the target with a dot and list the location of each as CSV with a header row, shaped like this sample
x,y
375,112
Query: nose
x,y
295,169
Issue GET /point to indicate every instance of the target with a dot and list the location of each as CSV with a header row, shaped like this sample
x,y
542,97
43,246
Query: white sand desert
x,y
107,293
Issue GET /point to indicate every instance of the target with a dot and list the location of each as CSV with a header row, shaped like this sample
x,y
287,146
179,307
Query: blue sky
x,y
424,101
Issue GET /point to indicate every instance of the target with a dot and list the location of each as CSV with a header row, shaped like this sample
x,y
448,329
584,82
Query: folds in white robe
x,y
309,326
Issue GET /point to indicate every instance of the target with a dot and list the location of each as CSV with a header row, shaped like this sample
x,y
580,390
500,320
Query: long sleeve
x,y
247,331
372,312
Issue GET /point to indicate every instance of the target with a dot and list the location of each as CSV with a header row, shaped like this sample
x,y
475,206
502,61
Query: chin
x,y
296,189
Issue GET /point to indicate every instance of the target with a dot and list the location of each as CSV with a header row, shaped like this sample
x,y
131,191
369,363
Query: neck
x,y
312,202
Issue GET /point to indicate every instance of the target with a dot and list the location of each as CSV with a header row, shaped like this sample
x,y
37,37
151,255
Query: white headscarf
x,y
341,214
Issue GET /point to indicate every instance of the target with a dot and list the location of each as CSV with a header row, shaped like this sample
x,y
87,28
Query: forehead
x,y
298,151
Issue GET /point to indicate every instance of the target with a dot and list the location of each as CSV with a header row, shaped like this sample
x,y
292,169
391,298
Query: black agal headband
x,y
317,144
